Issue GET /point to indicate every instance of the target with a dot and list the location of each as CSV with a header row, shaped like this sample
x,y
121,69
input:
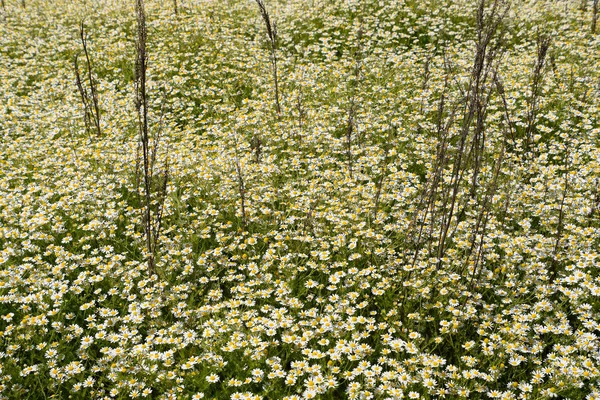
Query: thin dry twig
x,y
384,164
91,81
543,44
271,28
90,102
83,94
595,8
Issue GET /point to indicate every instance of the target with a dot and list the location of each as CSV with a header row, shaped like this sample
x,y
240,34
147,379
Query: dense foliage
x,y
396,222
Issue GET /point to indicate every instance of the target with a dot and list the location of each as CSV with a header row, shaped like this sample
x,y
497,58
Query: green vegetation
x,y
374,199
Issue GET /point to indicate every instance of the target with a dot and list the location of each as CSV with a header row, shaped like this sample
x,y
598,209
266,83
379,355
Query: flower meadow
x,y
336,199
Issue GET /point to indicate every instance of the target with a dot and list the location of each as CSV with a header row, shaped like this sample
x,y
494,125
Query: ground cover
x,y
350,199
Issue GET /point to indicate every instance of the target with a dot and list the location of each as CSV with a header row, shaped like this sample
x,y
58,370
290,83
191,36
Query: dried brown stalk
x,y
90,102
271,28
83,94
155,190
595,8
384,164
476,102
543,44
256,145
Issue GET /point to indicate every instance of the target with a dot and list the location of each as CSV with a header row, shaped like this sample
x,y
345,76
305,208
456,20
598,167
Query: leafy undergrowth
x,y
336,280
